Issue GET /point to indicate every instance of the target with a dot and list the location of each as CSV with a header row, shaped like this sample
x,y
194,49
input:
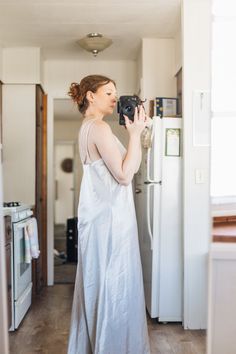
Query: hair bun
x,y
75,93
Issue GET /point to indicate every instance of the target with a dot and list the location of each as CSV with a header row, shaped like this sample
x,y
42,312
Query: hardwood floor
x,y
45,328
64,273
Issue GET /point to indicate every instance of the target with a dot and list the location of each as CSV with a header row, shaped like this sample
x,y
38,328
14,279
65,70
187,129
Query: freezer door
x,y
147,200
149,244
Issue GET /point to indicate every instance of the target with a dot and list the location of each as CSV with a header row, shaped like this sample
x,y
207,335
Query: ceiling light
x,y
94,43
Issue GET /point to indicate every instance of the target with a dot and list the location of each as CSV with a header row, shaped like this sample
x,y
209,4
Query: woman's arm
x,y
139,157
122,169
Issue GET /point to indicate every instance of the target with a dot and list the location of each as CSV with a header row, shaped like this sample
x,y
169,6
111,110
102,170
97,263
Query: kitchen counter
x,y
6,212
221,288
224,232
222,293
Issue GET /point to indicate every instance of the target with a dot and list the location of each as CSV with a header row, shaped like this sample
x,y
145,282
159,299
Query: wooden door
x,y
40,264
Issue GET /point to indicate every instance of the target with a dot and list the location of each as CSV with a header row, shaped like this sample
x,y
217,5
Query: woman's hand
x,y
140,120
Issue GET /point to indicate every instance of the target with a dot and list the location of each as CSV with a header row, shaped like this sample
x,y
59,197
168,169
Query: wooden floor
x,y
64,273
45,329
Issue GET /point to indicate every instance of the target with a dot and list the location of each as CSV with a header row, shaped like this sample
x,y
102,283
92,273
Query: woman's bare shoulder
x,y
101,127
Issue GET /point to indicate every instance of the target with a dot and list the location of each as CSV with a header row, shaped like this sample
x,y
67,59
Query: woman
x,y
108,313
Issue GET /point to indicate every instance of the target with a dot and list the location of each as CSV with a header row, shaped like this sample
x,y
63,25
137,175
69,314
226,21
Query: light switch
x,y
200,176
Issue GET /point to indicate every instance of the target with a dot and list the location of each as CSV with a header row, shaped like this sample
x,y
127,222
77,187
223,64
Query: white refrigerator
x,y
158,201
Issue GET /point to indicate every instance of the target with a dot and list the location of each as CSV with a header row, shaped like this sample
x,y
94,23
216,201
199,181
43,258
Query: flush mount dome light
x,y
95,43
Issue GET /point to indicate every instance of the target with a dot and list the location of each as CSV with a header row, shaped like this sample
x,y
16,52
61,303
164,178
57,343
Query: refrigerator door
x,y
153,216
170,252
158,205
147,200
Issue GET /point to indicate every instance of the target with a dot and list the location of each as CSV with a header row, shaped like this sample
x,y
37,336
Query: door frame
x,y
50,182
65,142
41,206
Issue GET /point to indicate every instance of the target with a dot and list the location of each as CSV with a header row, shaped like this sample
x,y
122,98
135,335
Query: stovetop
x,y
11,204
17,210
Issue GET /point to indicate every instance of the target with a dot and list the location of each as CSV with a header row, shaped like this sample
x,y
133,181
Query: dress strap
x,y
83,141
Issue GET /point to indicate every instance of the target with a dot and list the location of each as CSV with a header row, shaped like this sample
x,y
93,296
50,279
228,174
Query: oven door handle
x,y
22,225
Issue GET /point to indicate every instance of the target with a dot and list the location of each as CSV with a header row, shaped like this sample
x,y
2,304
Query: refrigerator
x,y
158,202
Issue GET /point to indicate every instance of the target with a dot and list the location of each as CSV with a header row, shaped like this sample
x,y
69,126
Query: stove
x,y
17,210
11,204
20,214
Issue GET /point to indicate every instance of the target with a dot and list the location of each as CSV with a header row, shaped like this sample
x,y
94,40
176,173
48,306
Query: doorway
x,y
66,185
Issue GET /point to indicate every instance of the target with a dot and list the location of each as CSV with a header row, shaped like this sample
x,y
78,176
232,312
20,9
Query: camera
x,y
126,106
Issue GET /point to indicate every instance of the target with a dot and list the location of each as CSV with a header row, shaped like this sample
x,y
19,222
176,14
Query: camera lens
x,y
128,109
127,106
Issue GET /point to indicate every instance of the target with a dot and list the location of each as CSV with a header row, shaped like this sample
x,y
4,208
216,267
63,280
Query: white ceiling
x,y
56,25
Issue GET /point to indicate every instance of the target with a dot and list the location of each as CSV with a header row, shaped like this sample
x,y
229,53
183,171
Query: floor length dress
x,y
108,312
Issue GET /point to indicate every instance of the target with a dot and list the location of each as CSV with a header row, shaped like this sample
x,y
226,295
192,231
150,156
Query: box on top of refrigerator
x,y
166,106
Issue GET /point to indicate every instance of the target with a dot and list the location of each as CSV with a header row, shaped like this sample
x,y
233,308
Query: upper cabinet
x,y
19,142
21,65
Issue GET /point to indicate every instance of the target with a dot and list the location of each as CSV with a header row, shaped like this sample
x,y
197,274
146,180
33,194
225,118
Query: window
x,y
223,128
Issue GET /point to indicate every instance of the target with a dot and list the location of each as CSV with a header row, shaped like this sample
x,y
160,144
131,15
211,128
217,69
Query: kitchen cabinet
x,y
24,129
8,250
222,290
18,139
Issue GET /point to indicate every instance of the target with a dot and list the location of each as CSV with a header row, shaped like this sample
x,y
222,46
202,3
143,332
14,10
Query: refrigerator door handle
x,y
138,190
153,182
148,165
148,215
149,180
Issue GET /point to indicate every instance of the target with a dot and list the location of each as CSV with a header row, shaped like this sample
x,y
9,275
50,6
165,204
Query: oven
x,y
22,274
21,271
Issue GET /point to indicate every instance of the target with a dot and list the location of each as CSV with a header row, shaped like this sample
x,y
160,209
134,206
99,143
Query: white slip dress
x,y
108,311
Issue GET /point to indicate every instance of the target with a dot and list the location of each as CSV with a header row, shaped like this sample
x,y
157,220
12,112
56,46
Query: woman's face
x,y
104,100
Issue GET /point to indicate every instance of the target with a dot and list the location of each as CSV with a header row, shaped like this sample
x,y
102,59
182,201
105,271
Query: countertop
x,y
224,232
6,212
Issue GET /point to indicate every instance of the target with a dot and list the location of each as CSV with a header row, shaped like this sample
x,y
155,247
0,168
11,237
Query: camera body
x,y
126,105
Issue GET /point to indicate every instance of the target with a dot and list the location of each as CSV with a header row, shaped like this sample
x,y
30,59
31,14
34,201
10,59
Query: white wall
x,y
196,75
178,51
66,130
58,75
139,72
21,65
158,62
